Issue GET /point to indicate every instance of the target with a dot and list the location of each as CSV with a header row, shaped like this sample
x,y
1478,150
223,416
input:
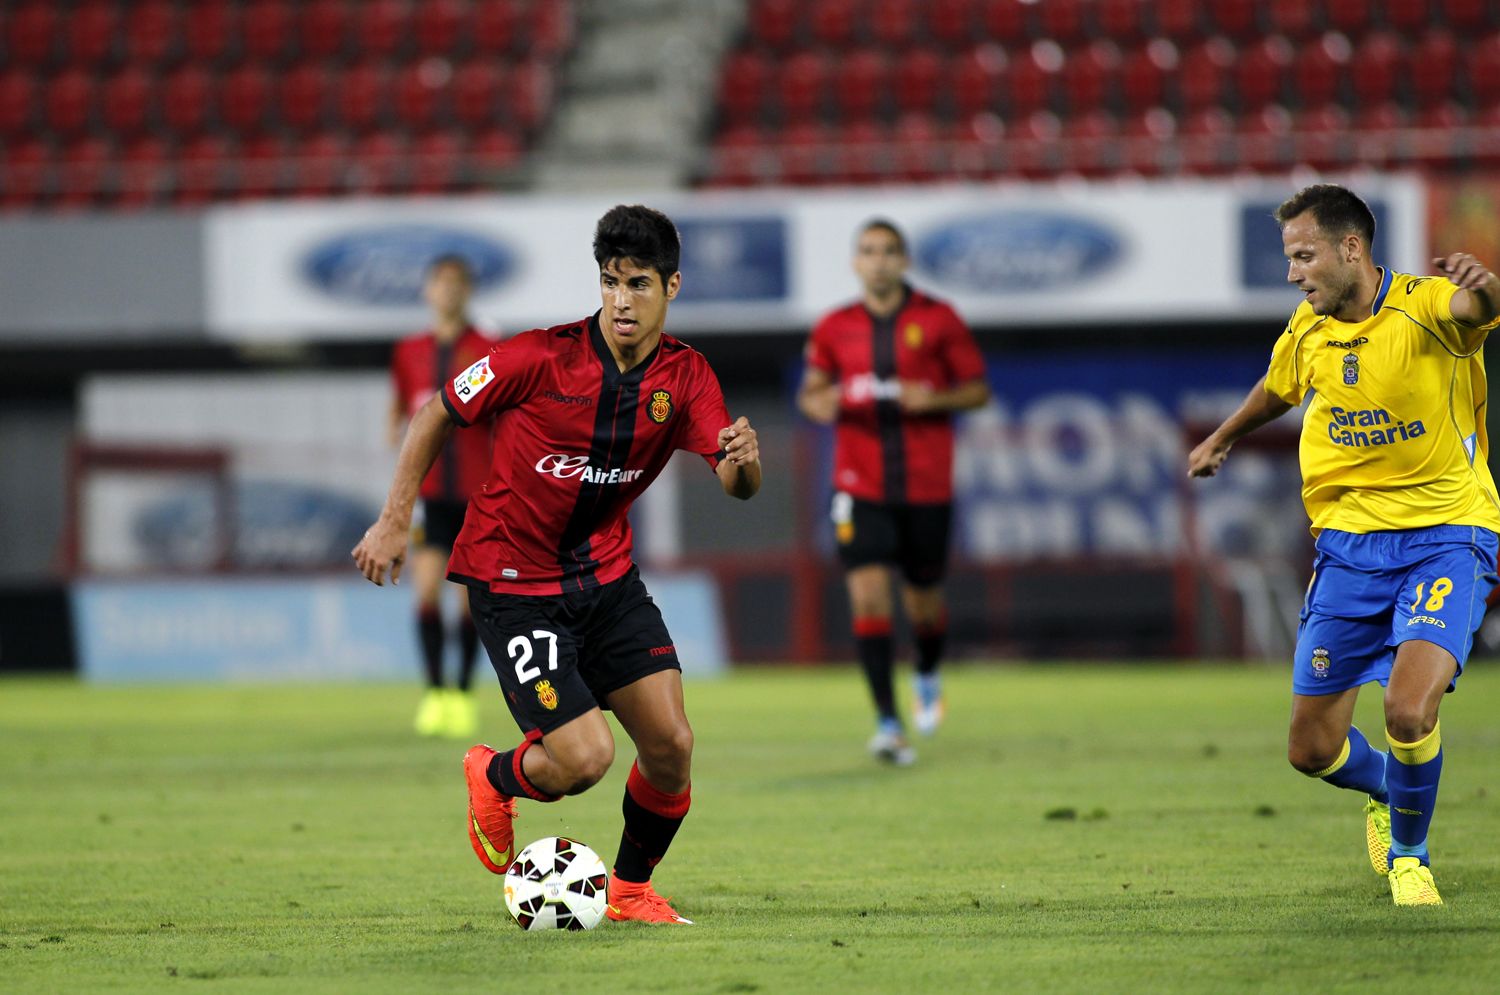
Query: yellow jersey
x,y
1393,436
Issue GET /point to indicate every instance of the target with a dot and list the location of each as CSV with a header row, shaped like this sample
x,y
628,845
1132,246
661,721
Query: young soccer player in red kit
x,y
585,416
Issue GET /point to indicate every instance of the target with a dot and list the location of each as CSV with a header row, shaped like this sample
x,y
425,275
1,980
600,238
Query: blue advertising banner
x,y
732,259
1263,266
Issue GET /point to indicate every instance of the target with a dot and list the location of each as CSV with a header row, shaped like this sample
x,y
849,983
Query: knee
x,y
1406,722
670,753
1310,758
586,770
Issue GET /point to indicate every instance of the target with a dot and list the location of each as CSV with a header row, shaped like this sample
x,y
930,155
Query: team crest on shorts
x,y
661,406
1351,368
547,695
1320,662
914,336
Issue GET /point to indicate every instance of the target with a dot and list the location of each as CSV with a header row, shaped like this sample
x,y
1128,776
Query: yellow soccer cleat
x,y
1411,883
462,716
432,713
1378,835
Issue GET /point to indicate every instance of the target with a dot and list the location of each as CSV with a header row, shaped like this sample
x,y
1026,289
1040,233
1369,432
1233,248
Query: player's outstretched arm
x,y
739,470
1259,407
818,397
384,545
1477,301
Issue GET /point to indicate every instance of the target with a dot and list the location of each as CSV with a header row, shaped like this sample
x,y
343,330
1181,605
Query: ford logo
x,y
1017,251
388,265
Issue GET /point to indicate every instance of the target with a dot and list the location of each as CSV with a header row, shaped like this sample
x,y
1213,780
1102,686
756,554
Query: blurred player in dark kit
x,y
889,372
586,415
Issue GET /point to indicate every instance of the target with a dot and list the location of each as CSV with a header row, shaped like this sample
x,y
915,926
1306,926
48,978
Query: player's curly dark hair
x,y
1338,211
883,224
643,235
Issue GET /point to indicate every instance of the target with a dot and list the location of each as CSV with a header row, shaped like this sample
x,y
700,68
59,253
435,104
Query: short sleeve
x,y
503,378
820,353
706,415
1283,376
960,353
1429,302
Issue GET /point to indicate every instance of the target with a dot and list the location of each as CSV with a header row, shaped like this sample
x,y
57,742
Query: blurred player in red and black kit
x,y
585,415
420,366
889,371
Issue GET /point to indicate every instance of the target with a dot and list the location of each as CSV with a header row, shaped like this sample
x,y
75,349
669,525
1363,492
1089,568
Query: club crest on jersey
x,y
547,695
1351,368
913,336
661,406
472,381
1320,662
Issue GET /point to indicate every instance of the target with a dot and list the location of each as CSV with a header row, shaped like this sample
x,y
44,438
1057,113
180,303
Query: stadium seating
x,y
1099,87
133,103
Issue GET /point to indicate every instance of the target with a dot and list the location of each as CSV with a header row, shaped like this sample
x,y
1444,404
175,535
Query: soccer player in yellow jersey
x,y
1405,514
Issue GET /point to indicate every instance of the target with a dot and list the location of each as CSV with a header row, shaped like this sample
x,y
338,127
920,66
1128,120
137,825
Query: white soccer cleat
x,y
892,748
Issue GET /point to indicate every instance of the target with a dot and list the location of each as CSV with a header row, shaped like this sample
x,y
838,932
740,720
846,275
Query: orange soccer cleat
x,y
630,901
490,813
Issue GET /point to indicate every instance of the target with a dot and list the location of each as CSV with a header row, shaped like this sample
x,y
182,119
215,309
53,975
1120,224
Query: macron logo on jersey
x,y
868,387
567,467
472,381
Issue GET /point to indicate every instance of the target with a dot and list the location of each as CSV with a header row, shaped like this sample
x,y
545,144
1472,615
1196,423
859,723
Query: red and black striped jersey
x,y
881,453
575,442
420,365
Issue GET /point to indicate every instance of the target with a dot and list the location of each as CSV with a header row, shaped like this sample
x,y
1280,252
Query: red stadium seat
x,y
1296,19
832,22
1144,72
1091,144
145,172
893,23
861,153
185,94
378,163
1352,17
742,84
302,97
319,164
262,167
741,157
807,153
267,27
1481,67
18,96
1179,20
551,30
1123,21
1063,21
1410,17
1264,142
245,98
802,85
363,95
323,28
30,33
1321,138
1433,68
437,162
92,29
974,81
494,152
529,89
773,24
418,92
69,100
126,100
205,170
479,97
495,27
1205,74
1006,22
918,80
26,173
861,80
208,28
381,28
1318,71
951,22
1027,87
1235,19
152,32
917,148
1090,77
438,26
85,172
1466,16
1261,69
1381,64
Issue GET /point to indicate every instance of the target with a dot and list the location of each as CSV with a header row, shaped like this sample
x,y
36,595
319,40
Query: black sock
x,y
651,820
930,643
468,651
873,637
506,776
430,633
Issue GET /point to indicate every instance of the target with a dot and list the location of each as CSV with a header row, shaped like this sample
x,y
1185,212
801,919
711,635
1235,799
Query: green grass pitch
x,y
1075,828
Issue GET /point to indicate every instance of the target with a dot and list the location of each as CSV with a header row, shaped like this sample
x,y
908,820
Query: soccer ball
x,y
556,883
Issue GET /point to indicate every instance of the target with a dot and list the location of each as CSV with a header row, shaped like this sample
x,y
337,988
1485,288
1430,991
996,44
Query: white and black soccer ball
x,y
556,883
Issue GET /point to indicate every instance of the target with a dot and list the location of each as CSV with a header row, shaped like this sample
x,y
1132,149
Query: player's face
x,y
447,291
1319,265
879,261
635,303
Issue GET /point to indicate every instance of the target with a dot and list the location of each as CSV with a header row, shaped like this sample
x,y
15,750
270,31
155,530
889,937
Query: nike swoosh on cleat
x,y
615,909
500,859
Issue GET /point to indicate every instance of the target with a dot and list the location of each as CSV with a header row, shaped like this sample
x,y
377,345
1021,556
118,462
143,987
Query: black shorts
x,y
560,655
441,522
910,537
